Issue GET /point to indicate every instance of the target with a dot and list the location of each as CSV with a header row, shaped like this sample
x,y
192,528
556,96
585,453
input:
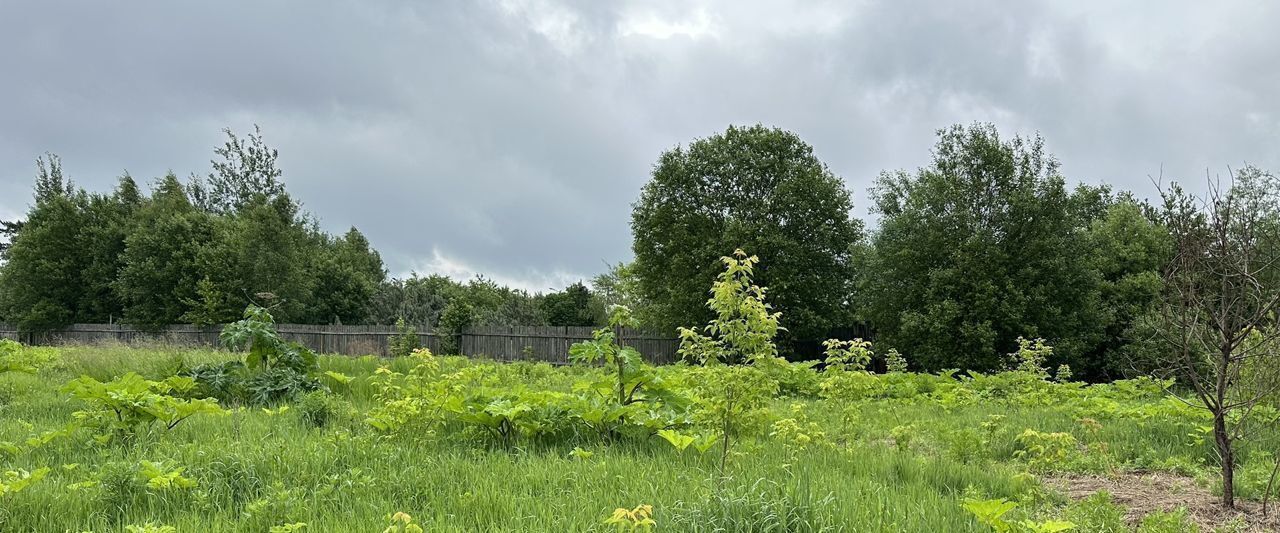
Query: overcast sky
x,y
510,137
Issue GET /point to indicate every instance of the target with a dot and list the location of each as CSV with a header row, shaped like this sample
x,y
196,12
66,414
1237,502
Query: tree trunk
x,y
1223,442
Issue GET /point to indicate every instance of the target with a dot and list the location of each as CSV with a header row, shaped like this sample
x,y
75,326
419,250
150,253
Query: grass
x,y
256,469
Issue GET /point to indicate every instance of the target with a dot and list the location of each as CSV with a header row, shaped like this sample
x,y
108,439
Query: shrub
x,y
405,341
318,408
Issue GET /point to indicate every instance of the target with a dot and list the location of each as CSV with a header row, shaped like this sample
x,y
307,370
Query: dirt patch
x,y
1141,493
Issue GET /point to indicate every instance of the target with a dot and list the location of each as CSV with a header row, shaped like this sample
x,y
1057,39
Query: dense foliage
x,y
186,253
754,188
531,447
986,244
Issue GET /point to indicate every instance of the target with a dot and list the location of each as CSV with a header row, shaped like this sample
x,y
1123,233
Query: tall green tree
x,y
245,169
160,276
39,288
107,220
570,307
1129,249
753,188
348,272
978,248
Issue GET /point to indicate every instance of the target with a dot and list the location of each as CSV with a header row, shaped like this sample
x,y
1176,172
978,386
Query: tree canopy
x,y
755,188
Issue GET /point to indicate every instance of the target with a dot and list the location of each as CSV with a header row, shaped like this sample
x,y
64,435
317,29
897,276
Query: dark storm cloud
x,y
511,137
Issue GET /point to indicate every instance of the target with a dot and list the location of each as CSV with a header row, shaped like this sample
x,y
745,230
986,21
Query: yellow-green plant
x,y
150,527
625,362
903,435
744,325
729,396
639,518
1031,356
401,522
158,476
1044,451
992,513
682,441
15,357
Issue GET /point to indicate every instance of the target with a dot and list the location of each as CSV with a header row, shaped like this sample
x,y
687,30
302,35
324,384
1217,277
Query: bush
x,y
319,408
405,341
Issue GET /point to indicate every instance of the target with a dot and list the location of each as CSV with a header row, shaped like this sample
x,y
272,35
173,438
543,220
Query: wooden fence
x,y
533,343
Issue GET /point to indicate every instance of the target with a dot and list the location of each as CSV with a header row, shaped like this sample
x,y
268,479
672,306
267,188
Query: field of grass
x,y
854,452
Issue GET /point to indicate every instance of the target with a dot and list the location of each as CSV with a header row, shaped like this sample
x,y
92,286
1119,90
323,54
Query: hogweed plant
x,y
130,403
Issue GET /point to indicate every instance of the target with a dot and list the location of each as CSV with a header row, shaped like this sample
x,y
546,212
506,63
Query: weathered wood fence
x,y
534,343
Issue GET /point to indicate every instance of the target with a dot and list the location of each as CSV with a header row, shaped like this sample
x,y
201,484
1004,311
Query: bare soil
x,y
1141,493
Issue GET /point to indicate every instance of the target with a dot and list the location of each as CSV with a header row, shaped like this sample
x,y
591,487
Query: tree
x,y
264,248
348,272
744,325
618,286
571,307
38,282
750,187
1129,249
1215,323
8,231
159,277
107,220
977,249
247,169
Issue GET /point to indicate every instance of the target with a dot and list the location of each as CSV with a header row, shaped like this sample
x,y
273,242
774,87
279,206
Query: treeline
x,y
984,244
199,251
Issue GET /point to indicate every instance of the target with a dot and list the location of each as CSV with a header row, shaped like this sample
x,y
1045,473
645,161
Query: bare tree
x,y
1216,326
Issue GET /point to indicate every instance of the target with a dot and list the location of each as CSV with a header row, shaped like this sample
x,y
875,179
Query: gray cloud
x,y
511,137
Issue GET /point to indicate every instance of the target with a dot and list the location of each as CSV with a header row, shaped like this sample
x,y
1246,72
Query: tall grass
x,y
257,469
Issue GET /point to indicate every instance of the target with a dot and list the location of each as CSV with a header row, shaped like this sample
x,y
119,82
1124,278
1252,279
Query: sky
x,y
511,137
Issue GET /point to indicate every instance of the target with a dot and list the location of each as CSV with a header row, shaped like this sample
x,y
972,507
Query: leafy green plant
x,y
318,408
853,354
728,397
744,325
402,523
681,441
15,481
130,403
158,476
903,435
273,370
405,341
992,513
895,361
150,527
626,363
15,357
639,518
1045,451
1031,356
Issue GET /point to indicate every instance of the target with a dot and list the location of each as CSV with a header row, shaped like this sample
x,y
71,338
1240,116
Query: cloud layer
x,y
511,137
